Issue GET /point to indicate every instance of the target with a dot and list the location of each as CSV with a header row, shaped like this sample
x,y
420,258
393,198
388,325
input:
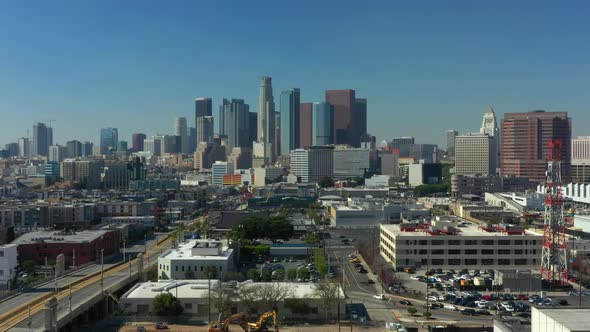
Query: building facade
x,y
451,134
266,118
218,170
290,117
350,162
196,259
475,155
305,125
323,123
181,130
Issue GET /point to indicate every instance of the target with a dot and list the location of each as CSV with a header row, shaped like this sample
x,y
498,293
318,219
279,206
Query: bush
x,y
427,314
291,274
279,275
166,304
412,311
266,275
254,274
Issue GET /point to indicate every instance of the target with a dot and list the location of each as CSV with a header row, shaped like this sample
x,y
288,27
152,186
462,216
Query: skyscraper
x,y
108,140
290,103
323,130
40,140
23,147
266,118
475,155
451,134
253,127
87,148
73,149
236,123
489,126
581,159
203,107
192,139
524,143
358,124
204,130
57,153
344,102
137,142
305,125
181,130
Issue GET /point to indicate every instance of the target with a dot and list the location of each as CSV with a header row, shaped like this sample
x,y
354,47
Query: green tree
x,y
427,314
29,266
412,311
253,274
291,274
328,293
166,304
279,275
266,275
320,261
326,182
298,306
304,273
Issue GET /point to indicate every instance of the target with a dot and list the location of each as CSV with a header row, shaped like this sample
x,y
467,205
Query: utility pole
x,y
74,258
102,270
124,258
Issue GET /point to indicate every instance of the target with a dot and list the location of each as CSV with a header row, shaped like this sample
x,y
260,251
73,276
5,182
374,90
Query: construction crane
x,y
224,326
259,325
50,122
269,193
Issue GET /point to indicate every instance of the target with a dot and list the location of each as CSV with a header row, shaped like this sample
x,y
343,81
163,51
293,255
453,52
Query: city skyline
x,y
442,74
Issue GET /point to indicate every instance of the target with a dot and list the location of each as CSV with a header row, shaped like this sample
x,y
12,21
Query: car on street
x,y
469,312
483,312
354,315
450,307
161,326
379,296
405,302
141,329
562,302
416,277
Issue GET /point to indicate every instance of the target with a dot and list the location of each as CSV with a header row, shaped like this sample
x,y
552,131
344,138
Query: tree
x,y
237,276
291,274
221,298
427,314
211,272
320,261
265,297
278,275
266,275
29,266
412,311
298,306
166,304
329,296
253,274
326,182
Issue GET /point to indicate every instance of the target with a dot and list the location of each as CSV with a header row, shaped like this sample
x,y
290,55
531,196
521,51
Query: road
x,y
80,293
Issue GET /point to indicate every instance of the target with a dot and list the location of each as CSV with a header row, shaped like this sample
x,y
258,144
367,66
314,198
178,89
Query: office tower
x,y
12,149
122,147
108,140
475,155
116,176
49,135
581,159
344,103
489,126
40,140
207,153
204,131
266,118
192,139
203,107
84,172
181,130
524,143
23,147
389,163
137,142
426,152
305,125
87,149
73,149
168,144
241,157
451,134
152,145
350,163
322,124
236,122
57,153
358,122
52,172
290,104
313,164
253,127
258,154
218,170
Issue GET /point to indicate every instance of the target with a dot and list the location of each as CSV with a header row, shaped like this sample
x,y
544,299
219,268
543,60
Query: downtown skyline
x,y
420,74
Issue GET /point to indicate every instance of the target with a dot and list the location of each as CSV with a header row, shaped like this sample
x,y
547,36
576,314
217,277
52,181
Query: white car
x,y
432,298
482,304
507,307
379,297
415,277
451,307
400,328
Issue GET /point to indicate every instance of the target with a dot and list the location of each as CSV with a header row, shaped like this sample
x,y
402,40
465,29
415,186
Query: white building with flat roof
x,y
459,245
195,258
560,319
8,263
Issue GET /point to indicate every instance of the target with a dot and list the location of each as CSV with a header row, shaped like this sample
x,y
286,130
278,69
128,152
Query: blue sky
x,y
424,66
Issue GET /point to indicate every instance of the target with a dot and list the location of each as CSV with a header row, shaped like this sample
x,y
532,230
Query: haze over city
x,y
423,67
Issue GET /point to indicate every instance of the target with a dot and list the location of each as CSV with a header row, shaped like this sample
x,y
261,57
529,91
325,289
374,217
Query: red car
x,y
487,297
522,297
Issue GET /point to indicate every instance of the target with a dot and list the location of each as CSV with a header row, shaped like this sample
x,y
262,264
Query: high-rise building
x,y
116,176
313,164
181,130
344,103
218,170
350,162
290,104
207,154
108,140
204,131
84,172
57,153
236,117
137,142
524,143
203,107
358,125
87,148
73,149
258,155
426,152
266,118
401,144
192,139
23,147
451,134
152,145
322,127
474,155
253,127
305,125
168,144
122,147
241,157
581,159
40,140
389,163
489,126
12,149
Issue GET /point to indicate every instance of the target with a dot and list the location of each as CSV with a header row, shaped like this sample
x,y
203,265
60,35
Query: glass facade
x,y
290,100
323,124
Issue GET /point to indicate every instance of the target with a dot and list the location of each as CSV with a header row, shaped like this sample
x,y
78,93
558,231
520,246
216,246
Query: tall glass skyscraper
x,y
109,137
266,118
41,141
290,100
235,115
323,124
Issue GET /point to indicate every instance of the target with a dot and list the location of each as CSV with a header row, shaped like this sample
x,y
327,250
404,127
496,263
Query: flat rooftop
x,y
464,228
185,250
572,319
59,237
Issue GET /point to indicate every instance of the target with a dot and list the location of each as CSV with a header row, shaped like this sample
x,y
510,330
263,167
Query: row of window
x,y
470,252
486,242
474,261
188,268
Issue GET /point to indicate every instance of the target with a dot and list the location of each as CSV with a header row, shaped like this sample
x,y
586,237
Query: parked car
x,y
451,307
405,302
562,302
483,312
379,297
141,329
161,326
469,312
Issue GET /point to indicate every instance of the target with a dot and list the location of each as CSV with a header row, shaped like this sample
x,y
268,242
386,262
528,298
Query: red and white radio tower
x,y
554,257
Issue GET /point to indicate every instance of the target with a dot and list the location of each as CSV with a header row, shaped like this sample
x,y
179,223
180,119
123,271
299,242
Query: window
x,y
422,252
201,269
183,268
454,251
188,306
1,253
176,268
438,251
518,242
534,242
487,251
423,242
487,261
1,272
438,262
520,261
220,268
470,242
503,261
454,242
487,242
437,242
471,252
471,261
503,251
518,251
504,242
454,261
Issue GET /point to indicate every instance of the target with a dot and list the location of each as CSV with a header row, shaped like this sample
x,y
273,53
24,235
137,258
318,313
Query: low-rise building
x,y
370,212
452,245
8,263
197,259
560,319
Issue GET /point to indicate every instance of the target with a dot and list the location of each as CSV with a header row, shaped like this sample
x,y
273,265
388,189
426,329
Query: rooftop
x,y
204,249
59,237
461,227
572,319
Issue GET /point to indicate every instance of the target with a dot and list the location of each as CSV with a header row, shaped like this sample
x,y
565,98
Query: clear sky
x,y
424,66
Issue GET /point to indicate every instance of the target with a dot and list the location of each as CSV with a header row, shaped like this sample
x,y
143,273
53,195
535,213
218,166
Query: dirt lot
x,y
187,328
